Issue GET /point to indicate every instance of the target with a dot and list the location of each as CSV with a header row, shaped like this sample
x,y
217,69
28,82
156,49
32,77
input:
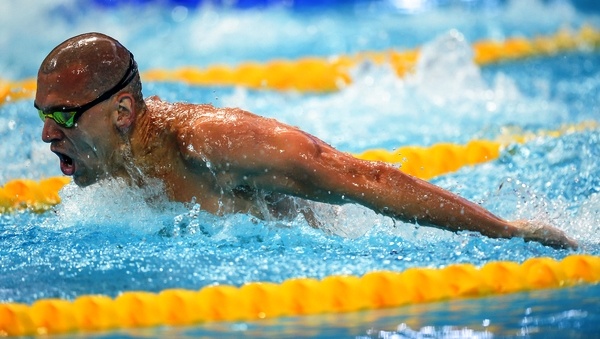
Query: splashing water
x,y
110,238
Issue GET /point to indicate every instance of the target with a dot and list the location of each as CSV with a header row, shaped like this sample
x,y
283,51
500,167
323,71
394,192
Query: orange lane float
x,y
37,196
320,74
312,74
442,158
298,296
16,90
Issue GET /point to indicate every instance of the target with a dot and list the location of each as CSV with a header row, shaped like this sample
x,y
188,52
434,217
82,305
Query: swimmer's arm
x,y
387,190
267,155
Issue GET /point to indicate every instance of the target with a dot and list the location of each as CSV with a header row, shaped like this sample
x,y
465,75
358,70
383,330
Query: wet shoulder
x,y
194,127
178,115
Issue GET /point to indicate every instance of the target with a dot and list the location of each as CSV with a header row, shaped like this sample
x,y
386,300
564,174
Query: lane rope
x,y
318,74
293,297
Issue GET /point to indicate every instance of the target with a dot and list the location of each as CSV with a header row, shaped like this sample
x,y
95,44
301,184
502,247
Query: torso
x,y
188,179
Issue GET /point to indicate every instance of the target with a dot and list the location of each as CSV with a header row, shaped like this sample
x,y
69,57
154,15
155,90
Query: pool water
x,y
108,238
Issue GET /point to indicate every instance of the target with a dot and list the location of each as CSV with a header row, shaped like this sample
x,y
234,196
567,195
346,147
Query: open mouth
x,y
66,164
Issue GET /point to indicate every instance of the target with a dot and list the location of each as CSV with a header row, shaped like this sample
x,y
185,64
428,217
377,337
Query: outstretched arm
x,y
265,154
387,190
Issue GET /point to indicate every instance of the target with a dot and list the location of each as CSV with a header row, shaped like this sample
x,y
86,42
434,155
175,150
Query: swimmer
x,y
89,96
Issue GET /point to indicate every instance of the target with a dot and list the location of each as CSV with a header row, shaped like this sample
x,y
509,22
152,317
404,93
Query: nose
x,y
51,131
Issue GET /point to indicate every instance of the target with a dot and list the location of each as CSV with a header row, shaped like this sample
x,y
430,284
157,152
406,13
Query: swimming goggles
x,y
67,116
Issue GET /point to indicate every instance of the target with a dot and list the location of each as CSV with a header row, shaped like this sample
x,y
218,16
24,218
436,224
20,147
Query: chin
x,y
81,183
84,181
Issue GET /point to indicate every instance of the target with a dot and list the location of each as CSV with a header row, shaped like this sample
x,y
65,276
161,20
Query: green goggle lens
x,y
64,119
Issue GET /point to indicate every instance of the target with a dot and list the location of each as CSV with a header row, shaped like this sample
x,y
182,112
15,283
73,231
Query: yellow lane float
x,y
320,74
298,296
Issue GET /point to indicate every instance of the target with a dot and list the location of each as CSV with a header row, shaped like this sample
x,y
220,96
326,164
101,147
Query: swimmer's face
x,y
85,151
80,89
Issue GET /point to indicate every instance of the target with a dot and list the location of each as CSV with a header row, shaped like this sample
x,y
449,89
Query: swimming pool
x,y
108,240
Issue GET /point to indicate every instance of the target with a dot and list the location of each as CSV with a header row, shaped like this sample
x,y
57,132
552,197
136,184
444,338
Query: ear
x,y
126,114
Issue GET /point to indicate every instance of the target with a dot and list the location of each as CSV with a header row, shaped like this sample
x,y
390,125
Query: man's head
x,y
88,94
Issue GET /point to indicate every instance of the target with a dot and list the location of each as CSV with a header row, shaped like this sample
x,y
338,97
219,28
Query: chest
x,y
215,192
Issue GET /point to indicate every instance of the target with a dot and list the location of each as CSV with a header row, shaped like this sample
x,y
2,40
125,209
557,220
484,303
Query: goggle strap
x,y
126,79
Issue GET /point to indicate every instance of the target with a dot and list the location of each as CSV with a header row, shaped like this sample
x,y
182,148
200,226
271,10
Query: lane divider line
x,y
320,74
293,297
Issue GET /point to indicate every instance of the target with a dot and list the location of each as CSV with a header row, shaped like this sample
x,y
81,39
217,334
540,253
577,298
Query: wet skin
x,y
232,161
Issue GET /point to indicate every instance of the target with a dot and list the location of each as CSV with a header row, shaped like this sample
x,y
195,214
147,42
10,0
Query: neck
x,y
142,135
132,151
149,147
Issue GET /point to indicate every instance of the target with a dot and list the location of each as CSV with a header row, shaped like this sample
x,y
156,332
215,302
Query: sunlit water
x,y
108,239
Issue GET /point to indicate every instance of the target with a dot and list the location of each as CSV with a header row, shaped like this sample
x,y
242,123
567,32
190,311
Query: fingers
x,y
545,234
557,241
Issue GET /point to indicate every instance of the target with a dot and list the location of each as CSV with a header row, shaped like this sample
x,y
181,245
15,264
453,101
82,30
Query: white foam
x,y
446,70
585,225
113,203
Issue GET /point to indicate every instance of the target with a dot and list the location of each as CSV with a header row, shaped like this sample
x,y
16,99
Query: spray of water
x,y
108,231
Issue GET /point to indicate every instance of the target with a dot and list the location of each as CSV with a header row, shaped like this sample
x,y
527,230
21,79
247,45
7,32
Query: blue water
x,y
107,239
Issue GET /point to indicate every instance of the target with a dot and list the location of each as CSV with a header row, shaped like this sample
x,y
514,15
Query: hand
x,y
544,234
